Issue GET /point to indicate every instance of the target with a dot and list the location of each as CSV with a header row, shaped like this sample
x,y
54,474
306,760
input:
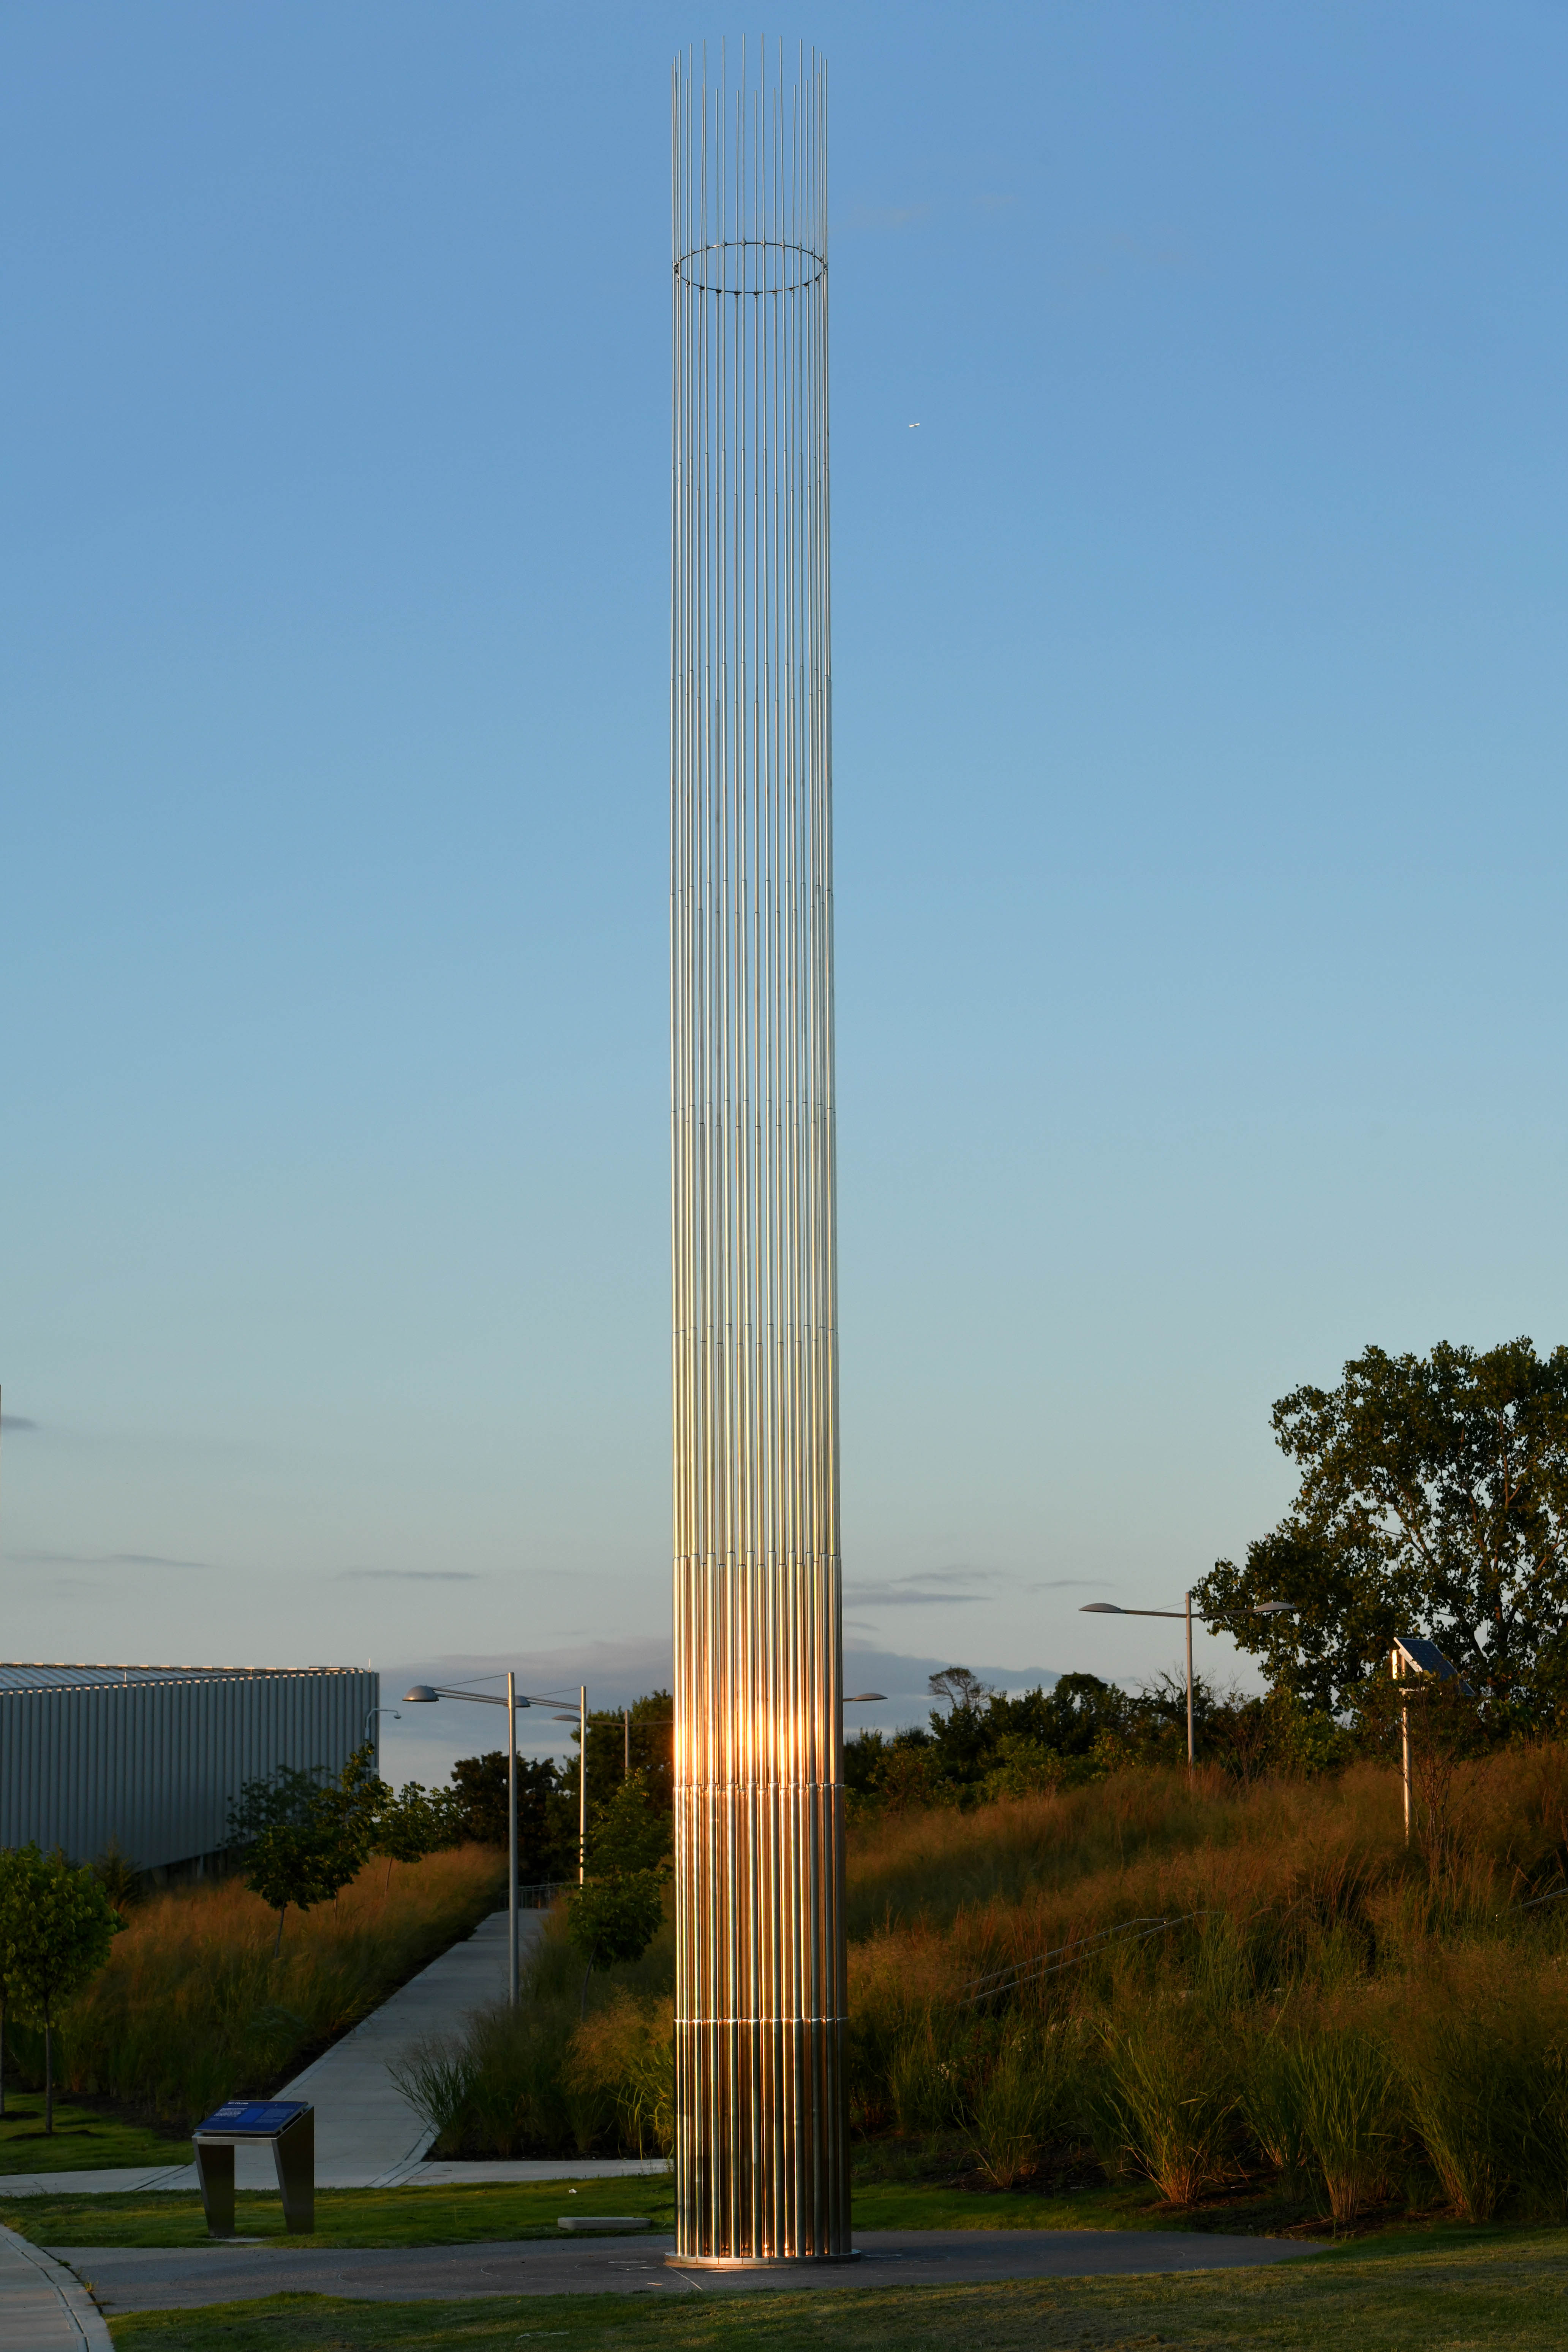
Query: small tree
x,y
297,1862
616,1915
62,1929
410,1825
612,1919
21,1873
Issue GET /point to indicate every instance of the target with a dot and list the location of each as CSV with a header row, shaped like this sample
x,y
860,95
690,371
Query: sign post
x,y
289,2128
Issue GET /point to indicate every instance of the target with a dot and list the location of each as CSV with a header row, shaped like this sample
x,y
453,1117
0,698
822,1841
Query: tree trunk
x,y
48,2072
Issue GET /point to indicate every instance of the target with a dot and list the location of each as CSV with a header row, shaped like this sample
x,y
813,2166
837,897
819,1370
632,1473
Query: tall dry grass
x,y
1365,2019
192,2008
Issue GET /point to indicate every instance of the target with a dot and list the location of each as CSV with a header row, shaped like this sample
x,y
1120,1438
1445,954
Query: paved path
x,y
367,2135
43,2308
148,2278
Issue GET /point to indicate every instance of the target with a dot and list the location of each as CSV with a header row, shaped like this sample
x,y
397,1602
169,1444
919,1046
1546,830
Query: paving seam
x,y
91,2327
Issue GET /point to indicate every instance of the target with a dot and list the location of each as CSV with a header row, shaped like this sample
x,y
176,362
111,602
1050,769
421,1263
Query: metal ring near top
x,y
751,266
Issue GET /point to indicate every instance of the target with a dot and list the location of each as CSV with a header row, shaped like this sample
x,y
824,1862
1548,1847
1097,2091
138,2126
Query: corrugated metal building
x,y
154,1757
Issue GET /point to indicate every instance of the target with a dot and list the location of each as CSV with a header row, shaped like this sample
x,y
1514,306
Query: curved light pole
x,y
425,1695
1110,1609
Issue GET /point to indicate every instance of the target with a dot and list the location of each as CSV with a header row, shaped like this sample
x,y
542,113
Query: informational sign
x,y
254,2118
288,2126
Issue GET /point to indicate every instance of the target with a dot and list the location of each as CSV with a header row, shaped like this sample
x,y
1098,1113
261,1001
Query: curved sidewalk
x,y
43,2308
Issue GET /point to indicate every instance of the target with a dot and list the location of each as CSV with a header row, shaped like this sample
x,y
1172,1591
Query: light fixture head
x,y
420,1695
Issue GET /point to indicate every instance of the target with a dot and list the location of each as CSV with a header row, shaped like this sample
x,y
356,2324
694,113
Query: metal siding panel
x,y
154,1758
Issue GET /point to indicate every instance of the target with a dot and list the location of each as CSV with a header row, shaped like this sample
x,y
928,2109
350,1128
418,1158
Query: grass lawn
x,y
1472,2291
82,2139
469,2214
346,2217
466,2215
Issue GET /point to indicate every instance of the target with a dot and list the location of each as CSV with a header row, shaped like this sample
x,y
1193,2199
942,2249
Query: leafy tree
x,y
59,1927
412,1824
21,1876
632,1833
617,1914
280,1799
348,1812
1433,1499
297,1862
546,1818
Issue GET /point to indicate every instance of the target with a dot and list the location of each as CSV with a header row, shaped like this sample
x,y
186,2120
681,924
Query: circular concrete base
x,y
757,2262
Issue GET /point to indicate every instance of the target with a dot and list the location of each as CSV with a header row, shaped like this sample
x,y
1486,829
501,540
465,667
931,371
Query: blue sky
x,y
1199,507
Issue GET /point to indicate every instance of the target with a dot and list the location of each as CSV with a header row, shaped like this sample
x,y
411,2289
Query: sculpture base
x,y
757,2262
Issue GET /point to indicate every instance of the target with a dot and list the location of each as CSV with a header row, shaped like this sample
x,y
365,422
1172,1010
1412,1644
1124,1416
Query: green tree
x,y
612,1919
410,1825
546,1819
1434,1500
347,1812
299,1862
59,1936
21,1878
619,1911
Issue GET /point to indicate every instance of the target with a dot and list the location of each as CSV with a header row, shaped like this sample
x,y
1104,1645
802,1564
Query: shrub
x,y
1168,2098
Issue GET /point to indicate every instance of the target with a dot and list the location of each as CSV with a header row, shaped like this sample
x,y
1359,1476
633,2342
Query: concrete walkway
x,y
367,2133
147,2278
43,2308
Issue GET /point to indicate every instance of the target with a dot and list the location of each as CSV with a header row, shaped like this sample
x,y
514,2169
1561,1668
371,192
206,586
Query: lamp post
x,y
425,1695
1110,1609
581,1720
1412,1653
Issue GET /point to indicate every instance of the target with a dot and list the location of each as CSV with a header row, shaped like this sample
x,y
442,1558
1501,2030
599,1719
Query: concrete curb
x,y
44,2307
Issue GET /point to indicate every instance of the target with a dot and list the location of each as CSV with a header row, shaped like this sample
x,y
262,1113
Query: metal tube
x,y
762,2171
511,1838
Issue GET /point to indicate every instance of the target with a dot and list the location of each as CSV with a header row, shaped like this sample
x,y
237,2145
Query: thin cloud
x,y
925,1589
103,1560
408,1575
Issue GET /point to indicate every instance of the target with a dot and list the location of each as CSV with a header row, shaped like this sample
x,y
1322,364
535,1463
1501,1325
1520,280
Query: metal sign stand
x,y
289,2128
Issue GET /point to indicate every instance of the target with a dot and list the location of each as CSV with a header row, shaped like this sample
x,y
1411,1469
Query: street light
x,y
1110,1609
425,1695
1412,1653
581,1720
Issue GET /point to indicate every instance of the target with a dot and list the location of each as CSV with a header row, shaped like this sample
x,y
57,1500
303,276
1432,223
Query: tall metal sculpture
x,y
762,2173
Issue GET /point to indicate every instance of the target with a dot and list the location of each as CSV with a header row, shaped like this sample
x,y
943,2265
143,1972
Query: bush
x,y
192,2008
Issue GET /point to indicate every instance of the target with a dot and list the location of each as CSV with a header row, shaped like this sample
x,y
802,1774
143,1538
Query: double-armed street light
x,y
425,1695
1110,1609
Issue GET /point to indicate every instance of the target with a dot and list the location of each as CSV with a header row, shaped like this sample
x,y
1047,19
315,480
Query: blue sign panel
x,y
255,2118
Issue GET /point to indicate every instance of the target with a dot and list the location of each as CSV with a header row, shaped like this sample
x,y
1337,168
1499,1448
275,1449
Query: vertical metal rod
x,y
581,1783
761,2153
1396,1668
511,1838
1189,1682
